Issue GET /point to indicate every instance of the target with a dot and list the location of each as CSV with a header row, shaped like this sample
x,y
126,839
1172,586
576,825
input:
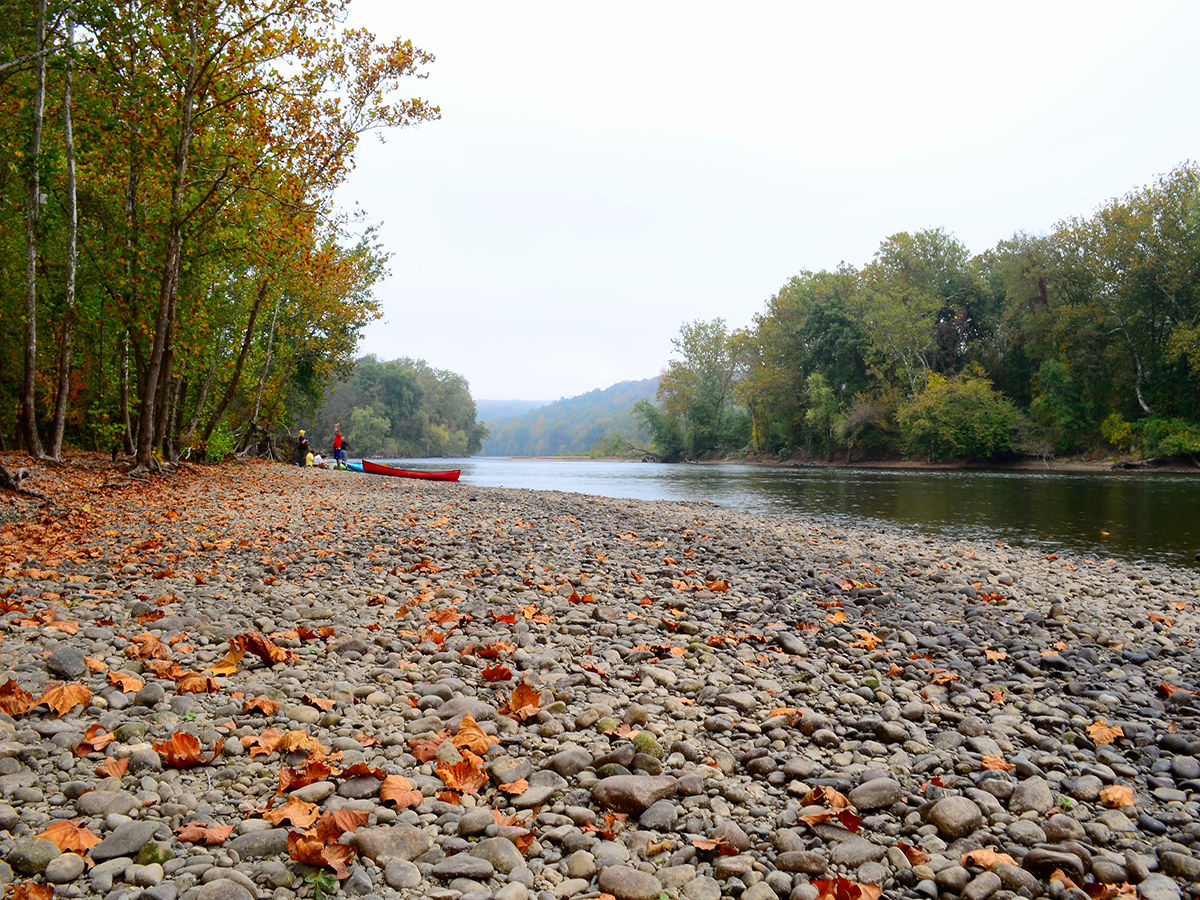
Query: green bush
x,y
220,444
1117,432
958,418
1167,437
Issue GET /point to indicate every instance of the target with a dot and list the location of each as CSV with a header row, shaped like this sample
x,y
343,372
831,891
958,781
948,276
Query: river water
x,y
1131,516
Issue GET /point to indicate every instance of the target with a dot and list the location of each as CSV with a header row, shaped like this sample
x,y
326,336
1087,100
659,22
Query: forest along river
x,y
1135,516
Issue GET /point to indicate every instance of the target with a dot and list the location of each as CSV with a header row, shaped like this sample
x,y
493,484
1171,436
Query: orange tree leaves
x,y
70,837
318,846
1117,795
466,776
1102,733
299,812
265,705
471,737
126,681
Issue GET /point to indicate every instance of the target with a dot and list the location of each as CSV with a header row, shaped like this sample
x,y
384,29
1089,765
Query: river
x,y
1131,516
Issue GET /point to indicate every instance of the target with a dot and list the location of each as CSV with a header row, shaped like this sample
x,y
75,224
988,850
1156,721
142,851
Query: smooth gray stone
x,y
126,840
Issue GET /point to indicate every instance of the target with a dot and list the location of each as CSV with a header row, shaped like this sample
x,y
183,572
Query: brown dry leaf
x,y
210,835
471,737
825,796
312,771
295,741
265,705
195,683
65,697
1117,795
426,750
306,847
229,664
148,646
915,855
840,888
126,681
1102,733
866,641
264,744
97,737
496,673
997,763
182,750
325,704
14,700
837,617
987,858
94,664
995,654
113,767
466,777
27,890
523,704
253,642
515,788
297,811
70,837
332,825
399,790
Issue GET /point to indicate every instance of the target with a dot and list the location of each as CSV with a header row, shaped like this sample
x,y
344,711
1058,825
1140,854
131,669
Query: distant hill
x,y
496,411
599,423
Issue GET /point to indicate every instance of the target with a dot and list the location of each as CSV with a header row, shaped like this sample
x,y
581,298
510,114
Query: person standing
x,y
339,454
301,449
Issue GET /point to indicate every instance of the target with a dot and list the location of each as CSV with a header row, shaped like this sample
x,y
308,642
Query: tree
x,y
960,417
697,390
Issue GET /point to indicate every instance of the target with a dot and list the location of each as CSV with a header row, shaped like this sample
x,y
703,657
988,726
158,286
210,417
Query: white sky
x,y
605,172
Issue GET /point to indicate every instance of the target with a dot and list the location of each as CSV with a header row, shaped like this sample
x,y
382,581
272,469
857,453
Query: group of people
x,y
306,457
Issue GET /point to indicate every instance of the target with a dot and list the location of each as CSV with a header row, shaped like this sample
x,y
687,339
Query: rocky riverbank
x,y
264,681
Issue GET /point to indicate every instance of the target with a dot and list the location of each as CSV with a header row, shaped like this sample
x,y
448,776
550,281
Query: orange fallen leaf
x,y
210,835
27,890
95,664
15,700
306,847
516,788
915,855
182,750
1117,795
987,858
70,837
312,771
496,673
995,654
195,683
65,697
97,737
265,705
399,790
229,664
1102,733
997,763
126,681
466,776
113,767
325,704
299,812
523,704
471,737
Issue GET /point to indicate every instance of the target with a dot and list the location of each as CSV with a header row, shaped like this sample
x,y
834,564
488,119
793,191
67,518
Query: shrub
x,y
220,443
958,418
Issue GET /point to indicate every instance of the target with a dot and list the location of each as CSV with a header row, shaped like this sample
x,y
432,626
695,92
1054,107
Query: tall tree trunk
x,y
262,378
150,410
127,433
33,199
68,328
247,340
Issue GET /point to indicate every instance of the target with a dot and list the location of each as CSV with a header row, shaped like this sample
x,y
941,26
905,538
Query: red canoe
x,y
377,469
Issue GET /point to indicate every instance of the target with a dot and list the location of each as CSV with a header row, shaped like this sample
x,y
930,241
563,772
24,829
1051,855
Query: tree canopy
x,y
183,282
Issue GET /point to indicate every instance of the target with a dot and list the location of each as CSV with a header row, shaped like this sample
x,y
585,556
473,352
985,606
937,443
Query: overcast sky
x,y
604,172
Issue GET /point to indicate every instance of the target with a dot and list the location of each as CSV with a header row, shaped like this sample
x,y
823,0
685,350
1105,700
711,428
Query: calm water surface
x,y
1147,516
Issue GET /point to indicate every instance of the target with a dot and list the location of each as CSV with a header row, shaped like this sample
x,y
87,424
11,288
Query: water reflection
x,y
1146,516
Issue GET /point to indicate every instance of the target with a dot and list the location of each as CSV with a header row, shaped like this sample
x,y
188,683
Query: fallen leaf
x,y
210,835
70,837
126,681
471,737
997,763
1102,733
14,700
229,664
523,704
306,847
987,858
65,697
915,855
182,750
399,790
97,737
299,812
496,673
466,776
27,890
113,767
195,683
1117,795
516,788
265,705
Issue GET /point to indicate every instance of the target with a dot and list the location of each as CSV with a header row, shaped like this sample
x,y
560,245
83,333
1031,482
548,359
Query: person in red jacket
x,y
339,454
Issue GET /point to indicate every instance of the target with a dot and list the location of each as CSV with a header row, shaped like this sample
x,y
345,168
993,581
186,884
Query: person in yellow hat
x,y
301,449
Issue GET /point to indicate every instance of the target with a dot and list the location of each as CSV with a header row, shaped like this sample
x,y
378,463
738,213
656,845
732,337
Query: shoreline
x,y
701,685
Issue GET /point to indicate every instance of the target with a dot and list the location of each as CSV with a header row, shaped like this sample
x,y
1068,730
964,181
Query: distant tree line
x,y
600,423
1081,341
400,408
174,277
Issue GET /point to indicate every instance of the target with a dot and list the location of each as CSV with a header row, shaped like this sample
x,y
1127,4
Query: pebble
x,y
682,736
